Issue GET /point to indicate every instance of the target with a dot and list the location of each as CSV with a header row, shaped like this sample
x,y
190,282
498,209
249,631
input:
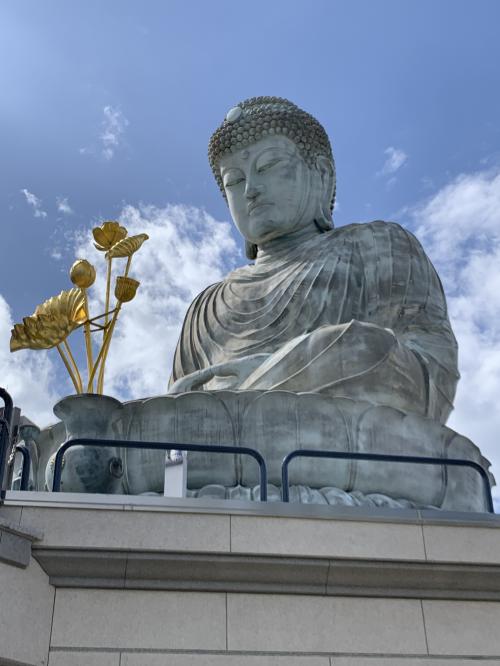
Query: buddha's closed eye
x,y
269,165
233,178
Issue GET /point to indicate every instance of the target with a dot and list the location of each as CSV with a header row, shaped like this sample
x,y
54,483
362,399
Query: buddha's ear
x,y
250,250
326,171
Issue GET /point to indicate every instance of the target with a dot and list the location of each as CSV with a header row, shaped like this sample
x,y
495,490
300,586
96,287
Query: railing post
x,y
5,441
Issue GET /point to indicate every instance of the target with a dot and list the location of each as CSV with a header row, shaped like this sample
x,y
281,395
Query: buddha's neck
x,y
285,244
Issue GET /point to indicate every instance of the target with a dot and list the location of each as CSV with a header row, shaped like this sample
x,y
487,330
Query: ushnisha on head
x,y
299,190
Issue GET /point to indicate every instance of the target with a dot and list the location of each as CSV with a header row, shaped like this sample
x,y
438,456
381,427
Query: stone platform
x,y
275,423
144,581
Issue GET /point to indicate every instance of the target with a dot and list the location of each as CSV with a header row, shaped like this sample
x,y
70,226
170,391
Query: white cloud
x,y
460,229
114,125
63,206
462,219
187,250
29,376
396,158
36,203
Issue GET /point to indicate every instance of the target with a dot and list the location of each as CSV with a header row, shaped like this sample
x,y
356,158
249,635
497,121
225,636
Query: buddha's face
x,y
270,189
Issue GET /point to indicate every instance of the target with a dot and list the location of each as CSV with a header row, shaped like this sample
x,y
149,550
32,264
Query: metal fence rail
x,y
5,423
383,457
25,473
160,446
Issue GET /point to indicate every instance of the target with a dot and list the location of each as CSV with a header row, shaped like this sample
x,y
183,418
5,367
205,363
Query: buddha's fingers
x,y
191,382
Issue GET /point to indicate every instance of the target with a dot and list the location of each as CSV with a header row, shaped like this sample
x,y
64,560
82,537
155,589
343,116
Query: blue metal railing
x,y
160,446
383,457
6,460
5,423
25,473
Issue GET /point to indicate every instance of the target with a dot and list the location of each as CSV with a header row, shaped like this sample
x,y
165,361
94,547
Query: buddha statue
x,y
355,312
331,338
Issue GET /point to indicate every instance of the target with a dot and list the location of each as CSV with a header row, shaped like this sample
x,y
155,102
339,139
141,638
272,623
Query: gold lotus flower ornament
x,y
82,273
51,323
108,234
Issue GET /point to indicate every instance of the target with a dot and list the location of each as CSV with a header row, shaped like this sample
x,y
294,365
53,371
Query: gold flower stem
x,y
100,381
127,267
108,291
75,367
105,345
68,368
88,340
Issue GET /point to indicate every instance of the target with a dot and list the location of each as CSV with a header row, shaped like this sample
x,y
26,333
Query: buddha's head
x,y
274,165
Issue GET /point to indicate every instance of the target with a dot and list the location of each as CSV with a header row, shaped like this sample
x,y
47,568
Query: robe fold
x,y
357,311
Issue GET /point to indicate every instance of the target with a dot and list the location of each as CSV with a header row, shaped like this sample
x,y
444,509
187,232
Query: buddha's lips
x,y
254,206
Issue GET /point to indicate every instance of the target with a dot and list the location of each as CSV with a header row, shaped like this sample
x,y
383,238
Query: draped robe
x,y
357,311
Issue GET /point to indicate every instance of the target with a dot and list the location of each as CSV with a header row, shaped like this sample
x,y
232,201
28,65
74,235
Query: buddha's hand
x,y
229,375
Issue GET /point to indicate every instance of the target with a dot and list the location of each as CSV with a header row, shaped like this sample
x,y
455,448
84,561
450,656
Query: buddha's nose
x,y
252,189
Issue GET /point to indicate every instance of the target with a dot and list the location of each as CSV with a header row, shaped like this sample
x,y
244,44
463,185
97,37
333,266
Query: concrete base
x,y
149,581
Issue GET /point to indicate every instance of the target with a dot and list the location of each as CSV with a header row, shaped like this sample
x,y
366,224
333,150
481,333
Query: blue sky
x,y
107,108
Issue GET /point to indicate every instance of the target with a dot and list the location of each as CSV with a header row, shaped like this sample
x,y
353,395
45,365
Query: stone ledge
x,y
64,657
18,498
238,573
288,532
15,543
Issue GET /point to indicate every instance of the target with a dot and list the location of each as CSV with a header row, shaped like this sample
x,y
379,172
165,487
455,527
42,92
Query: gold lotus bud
x,y
82,273
108,234
125,289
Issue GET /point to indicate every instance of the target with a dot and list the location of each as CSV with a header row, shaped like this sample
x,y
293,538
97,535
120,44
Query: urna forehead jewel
x,y
259,117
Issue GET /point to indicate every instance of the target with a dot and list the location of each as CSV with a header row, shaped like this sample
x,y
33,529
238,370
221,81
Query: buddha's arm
x,y
357,360
227,375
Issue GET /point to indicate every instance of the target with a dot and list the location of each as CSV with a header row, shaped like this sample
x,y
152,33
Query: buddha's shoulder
x,y
201,299
377,233
375,228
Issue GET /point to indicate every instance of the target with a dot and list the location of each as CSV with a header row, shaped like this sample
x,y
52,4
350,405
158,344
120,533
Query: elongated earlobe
x,y
250,250
326,170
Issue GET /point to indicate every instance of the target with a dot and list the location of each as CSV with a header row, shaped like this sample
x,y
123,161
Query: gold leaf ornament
x,y
68,305
108,234
127,247
51,323
125,289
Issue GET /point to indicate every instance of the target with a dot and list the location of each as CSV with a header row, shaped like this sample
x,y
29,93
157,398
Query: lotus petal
x,y
127,246
35,333
108,234
51,322
68,305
